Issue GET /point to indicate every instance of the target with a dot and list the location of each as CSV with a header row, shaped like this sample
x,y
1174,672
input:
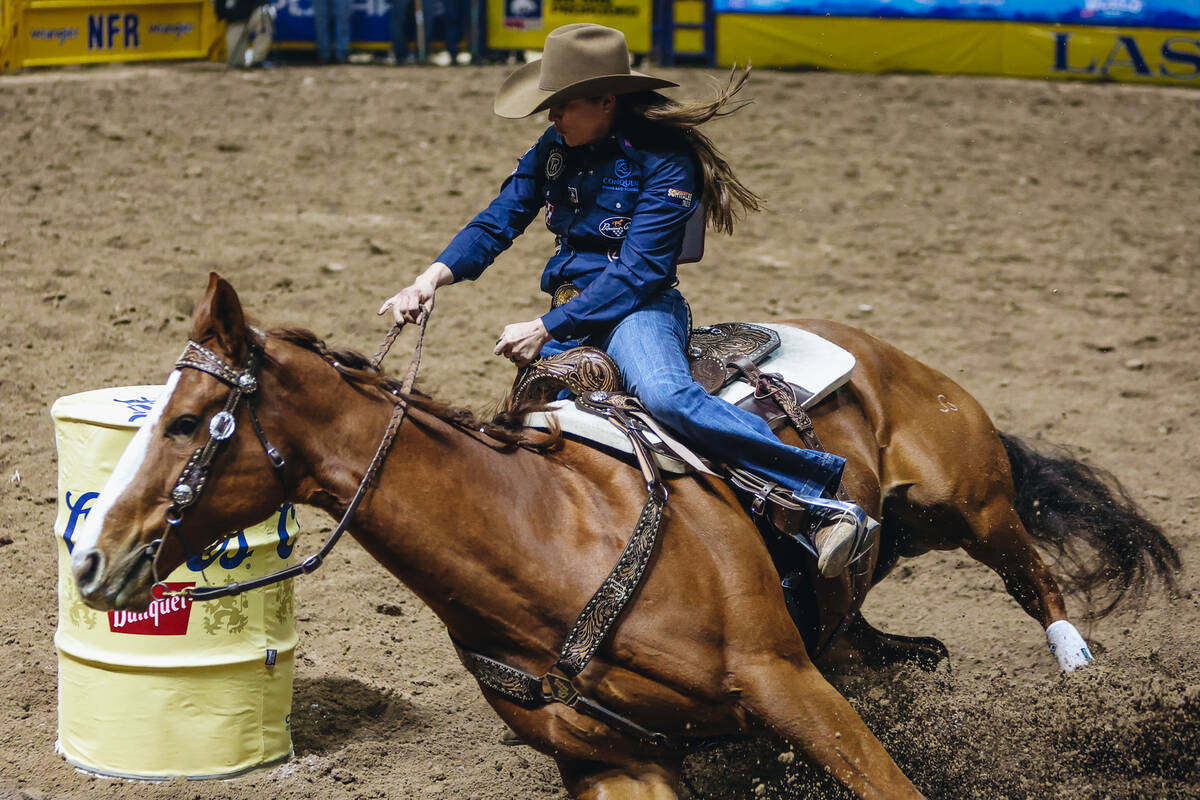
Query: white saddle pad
x,y
803,358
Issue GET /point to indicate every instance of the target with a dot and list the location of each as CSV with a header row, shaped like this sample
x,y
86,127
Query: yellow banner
x,y
524,24
79,32
1144,55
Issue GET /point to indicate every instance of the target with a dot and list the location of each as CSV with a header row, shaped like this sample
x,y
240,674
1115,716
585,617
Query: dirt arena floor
x,y
1037,242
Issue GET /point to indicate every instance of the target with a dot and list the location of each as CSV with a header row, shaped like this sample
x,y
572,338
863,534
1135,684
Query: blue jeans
x,y
648,346
340,12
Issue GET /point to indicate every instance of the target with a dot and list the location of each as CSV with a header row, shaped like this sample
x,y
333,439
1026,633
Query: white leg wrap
x,y
1068,646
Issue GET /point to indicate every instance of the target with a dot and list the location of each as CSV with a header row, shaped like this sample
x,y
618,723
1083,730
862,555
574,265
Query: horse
x,y
505,532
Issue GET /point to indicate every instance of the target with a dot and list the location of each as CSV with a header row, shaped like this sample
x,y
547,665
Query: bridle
x,y
243,384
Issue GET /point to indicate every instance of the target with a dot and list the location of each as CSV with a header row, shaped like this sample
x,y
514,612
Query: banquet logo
x,y
166,616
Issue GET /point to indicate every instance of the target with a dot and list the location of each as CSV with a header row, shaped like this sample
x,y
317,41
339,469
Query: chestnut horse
x,y
506,543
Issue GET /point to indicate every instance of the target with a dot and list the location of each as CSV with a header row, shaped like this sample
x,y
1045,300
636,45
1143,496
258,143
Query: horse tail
x,y
1107,548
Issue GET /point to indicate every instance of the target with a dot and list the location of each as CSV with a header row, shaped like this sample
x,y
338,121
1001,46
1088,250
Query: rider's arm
x,y
491,232
646,264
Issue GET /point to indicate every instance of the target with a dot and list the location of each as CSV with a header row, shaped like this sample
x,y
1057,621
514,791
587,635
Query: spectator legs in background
x,y
332,21
452,24
398,26
341,37
321,21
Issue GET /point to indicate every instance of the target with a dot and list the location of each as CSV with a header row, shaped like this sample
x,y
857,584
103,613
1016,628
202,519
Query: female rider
x,y
619,173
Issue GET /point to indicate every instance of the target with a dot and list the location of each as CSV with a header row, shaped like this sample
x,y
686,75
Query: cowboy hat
x,y
580,60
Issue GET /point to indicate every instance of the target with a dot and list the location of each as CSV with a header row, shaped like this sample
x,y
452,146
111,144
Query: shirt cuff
x,y
558,324
458,256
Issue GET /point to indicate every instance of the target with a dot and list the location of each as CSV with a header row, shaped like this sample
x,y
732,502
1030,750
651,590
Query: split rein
x,y
243,384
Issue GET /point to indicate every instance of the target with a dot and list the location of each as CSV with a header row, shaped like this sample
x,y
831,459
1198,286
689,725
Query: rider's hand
x,y
522,342
407,303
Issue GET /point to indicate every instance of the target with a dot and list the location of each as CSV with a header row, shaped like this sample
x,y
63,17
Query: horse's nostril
x,y
88,572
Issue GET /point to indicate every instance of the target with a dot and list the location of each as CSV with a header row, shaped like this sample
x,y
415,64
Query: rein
x,y
244,383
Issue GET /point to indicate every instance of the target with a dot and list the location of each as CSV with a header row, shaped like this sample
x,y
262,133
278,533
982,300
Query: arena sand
x,y
1035,241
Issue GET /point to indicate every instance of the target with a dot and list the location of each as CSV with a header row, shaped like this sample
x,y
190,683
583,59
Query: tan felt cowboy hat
x,y
580,60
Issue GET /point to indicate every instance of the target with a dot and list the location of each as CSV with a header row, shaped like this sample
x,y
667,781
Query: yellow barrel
x,y
184,689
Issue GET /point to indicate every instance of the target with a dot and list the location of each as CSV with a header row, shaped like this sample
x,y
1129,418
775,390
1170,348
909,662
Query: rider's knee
x,y
671,403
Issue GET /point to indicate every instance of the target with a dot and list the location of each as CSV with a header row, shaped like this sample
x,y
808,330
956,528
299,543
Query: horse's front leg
x,y
589,780
784,692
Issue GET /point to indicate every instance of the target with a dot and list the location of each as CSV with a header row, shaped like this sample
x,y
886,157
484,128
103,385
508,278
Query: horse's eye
x,y
183,425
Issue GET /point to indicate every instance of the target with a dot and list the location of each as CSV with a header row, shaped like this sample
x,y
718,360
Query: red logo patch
x,y
166,616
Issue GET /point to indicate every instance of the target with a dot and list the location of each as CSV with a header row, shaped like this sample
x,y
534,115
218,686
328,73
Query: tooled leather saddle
x,y
714,355
717,355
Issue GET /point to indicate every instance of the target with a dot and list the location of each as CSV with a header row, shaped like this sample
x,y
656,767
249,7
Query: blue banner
x,y
1174,14
368,21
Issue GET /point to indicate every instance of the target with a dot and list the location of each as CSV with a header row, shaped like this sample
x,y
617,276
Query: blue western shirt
x,y
617,207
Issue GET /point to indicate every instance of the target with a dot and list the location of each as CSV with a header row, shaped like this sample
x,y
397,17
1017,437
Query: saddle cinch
x,y
803,369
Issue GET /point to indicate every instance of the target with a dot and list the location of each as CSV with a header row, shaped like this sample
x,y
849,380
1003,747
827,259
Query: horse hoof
x,y
926,652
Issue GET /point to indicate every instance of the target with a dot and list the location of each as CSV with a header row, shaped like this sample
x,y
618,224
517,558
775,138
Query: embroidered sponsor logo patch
x,y
554,164
549,213
614,227
574,193
680,197
621,168
621,184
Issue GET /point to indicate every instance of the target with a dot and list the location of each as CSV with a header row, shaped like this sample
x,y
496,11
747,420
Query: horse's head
x,y
162,499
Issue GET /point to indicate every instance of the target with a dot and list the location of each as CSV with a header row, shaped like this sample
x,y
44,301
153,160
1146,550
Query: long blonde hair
x,y
724,196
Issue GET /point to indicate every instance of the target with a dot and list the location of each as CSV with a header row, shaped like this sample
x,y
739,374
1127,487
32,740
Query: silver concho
x,y
183,494
246,382
598,397
222,425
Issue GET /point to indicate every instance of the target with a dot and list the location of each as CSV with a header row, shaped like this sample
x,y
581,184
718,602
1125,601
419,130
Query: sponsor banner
x,y
971,48
527,30
76,33
523,15
369,23
1175,14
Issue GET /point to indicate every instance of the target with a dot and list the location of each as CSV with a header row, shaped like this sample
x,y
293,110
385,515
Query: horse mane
x,y
356,369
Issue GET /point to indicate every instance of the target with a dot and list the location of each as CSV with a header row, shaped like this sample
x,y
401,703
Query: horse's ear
x,y
219,316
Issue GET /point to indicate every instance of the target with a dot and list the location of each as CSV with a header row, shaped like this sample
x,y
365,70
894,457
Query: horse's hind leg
x,y
589,780
792,699
994,535
1001,542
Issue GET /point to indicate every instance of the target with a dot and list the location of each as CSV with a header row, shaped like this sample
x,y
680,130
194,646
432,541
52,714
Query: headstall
x,y
222,426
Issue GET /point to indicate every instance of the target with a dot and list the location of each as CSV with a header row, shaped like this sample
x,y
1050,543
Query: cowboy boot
x,y
842,536
836,542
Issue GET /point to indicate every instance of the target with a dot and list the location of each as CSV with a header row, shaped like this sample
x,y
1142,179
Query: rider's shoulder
x,y
654,149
